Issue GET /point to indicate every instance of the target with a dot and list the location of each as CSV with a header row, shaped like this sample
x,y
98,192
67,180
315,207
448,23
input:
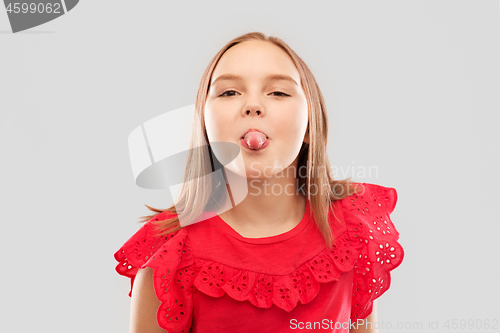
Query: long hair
x,y
200,193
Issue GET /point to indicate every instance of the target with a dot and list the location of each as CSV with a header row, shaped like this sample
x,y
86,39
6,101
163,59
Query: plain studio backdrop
x,y
412,89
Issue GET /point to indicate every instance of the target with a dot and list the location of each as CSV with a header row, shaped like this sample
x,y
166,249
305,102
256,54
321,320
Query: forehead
x,y
255,60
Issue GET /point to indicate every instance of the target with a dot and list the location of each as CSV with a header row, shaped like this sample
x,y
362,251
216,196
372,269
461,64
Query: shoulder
x,y
371,198
141,247
367,212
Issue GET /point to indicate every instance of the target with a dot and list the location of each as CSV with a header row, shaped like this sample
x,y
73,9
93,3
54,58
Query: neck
x,y
272,206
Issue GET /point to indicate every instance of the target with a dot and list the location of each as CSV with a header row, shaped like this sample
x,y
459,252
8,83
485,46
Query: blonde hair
x,y
200,193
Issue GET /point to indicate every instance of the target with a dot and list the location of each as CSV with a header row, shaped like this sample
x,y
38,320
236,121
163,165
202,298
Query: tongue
x,y
255,140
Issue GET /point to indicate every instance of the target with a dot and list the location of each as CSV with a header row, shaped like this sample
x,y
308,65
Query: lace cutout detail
x,y
369,224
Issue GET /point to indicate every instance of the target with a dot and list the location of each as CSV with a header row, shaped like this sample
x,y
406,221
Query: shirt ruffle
x,y
368,245
284,291
172,271
367,216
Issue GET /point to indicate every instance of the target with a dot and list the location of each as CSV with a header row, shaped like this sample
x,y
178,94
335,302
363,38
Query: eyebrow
x,y
271,77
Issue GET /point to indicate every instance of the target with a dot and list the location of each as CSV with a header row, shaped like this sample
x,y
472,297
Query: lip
x,y
253,130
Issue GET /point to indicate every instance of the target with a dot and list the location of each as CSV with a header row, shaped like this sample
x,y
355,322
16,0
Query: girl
x,y
297,249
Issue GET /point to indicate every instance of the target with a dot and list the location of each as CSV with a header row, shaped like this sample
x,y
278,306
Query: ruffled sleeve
x,y
367,216
172,262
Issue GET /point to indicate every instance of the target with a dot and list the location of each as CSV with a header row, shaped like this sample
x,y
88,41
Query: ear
x,y
306,136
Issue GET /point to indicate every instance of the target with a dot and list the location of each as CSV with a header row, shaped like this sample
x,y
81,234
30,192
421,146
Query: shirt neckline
x,y
304,222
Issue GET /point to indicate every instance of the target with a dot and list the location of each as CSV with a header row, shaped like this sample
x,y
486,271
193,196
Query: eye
x,y
281,94
225,92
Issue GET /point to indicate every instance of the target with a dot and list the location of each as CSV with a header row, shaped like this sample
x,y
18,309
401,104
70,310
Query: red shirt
x,y
209,278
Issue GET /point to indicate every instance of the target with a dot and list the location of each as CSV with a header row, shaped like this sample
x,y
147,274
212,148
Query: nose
x,y
253,111
253,105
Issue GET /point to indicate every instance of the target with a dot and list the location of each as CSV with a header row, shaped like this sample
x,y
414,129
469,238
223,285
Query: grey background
x,y
411,87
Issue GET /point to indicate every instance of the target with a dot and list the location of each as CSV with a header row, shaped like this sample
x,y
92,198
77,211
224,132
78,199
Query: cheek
x,y
293,122
213,123
210,123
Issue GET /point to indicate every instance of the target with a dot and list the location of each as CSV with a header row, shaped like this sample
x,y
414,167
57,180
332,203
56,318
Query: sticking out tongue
x,y
255,140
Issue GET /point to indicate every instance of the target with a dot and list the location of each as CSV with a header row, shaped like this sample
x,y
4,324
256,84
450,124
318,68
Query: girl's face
x,y
253,98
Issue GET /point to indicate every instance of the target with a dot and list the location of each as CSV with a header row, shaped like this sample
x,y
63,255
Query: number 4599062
x,y
32,7
471,324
